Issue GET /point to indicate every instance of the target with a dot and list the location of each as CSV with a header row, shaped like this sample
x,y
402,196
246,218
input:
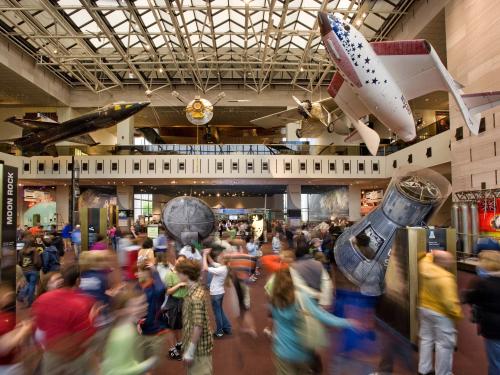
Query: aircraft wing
x,y
415,66
418,70
84,139
329,104
354,109
152,136
32,124
278,119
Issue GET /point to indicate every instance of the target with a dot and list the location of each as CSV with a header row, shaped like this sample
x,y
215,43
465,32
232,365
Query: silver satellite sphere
x,y
183,217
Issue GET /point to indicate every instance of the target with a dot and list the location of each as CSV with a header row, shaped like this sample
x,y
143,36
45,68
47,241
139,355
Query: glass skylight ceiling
x,y
256,43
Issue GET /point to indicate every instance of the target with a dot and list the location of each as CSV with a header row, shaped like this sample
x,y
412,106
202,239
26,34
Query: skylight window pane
x,y
374,21
219,3
154,28
191,27
158,41
91,28
69,3
148,18
107,3
236,28
81,17
344,4
299,41
123,28
130,42
188,16
97,43
221,17
116,17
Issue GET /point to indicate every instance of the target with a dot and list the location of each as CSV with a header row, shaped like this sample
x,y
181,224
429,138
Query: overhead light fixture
x,y
160,70
130,75
301,68
140,182
363,15
359,22
55,51
218,194
147,47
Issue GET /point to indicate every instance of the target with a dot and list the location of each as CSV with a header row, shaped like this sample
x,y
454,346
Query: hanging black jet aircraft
x,y
40,135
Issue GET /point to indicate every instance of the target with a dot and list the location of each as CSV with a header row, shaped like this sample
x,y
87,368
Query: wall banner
x,y
8,220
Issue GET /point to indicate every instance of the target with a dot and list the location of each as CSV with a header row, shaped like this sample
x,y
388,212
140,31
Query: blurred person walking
x,y
439,309
111,232
30,263
76,239
289,306
146,254
64,326
219,272
310,276
197,341
176,292
100,244
241,267
276,243
120,358
12,335
66,236
151,327
484,295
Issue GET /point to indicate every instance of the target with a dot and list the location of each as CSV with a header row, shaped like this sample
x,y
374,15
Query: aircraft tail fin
x,y
476,104
369,136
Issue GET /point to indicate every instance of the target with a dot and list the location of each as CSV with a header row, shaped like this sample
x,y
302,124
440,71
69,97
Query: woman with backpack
x,y
292,310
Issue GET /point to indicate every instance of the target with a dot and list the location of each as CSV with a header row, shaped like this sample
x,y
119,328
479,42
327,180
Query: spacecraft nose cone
x,y
324,23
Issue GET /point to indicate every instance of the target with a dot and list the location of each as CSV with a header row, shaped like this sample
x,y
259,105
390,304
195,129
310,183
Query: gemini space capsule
x,y
411,198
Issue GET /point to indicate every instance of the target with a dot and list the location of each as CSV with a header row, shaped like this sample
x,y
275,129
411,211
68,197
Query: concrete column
x,y
125,132
293,199
65,113
291,131
125,197
62,205
354,195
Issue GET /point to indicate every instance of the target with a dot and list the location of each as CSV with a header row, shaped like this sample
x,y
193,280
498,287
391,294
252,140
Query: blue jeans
x,y
31,281
493,353
222,322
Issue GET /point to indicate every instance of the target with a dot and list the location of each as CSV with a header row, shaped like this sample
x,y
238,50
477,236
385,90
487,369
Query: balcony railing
x,y
285,148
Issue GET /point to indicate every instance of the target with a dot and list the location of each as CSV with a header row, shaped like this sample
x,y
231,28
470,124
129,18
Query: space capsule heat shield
x,y
412,197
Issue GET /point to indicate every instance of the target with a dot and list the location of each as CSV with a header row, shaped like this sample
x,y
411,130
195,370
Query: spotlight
x,y
358,22
301,69
147,47
130,75
363,15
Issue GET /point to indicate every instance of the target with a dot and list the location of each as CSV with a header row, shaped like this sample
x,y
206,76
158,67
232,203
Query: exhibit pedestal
x,y
92,222
398,305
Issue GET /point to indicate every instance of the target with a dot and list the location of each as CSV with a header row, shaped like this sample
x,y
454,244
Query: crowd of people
x,y
130,303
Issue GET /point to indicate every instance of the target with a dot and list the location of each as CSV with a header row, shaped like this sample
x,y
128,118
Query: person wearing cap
x,y
484,295
439,310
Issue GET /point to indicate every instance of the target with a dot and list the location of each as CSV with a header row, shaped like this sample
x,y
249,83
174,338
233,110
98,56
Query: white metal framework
x,y
102,44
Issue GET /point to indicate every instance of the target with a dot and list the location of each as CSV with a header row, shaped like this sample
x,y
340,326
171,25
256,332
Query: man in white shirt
x,y
219,273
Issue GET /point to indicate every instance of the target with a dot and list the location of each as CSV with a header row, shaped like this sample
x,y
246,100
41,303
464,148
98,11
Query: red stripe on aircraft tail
x,y
402,47
334,86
